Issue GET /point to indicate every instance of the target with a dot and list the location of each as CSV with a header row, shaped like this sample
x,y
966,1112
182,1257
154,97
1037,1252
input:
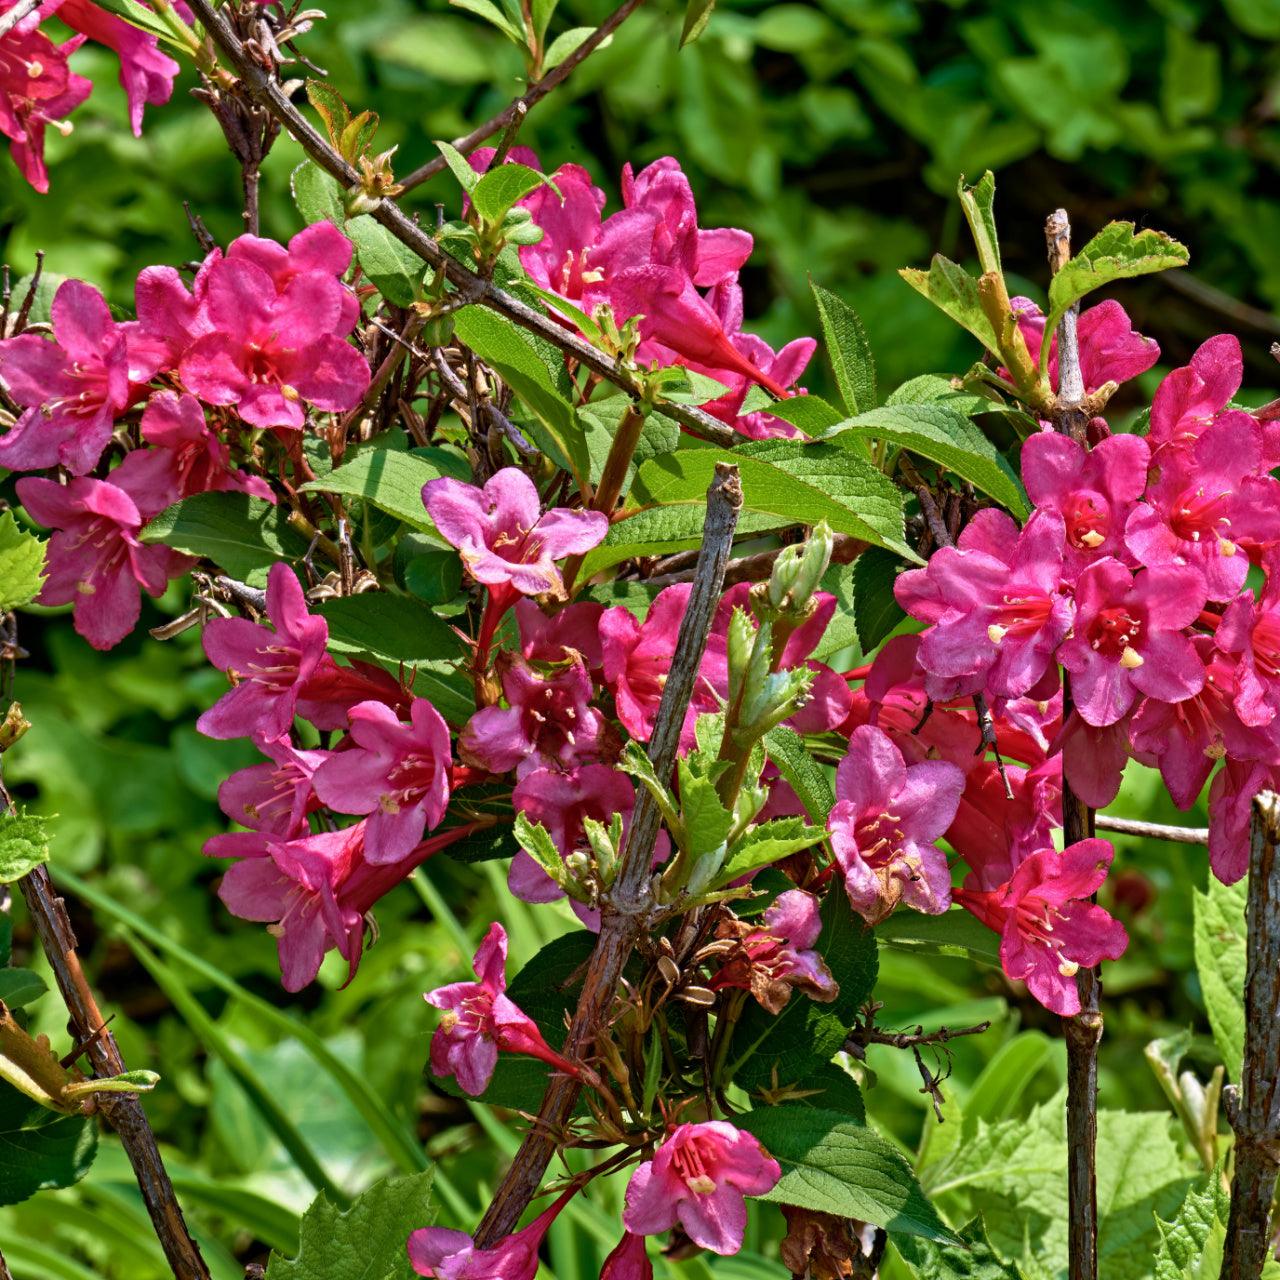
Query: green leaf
x,y
696,16
934,388
318,195
459,166
876,609
367,1242
786,749
705,820
767,843
832,1164
768,1050
20,987
536,841
388,478
954,933
568,41
431,573
953,290
831,1088
500,188
490,12
24,844
42,1149
392,266
1187,1242
945,436
972,1258
138,15
21,564
812,414
1117,252
1220,940
848,350
243,536
330,106
978,202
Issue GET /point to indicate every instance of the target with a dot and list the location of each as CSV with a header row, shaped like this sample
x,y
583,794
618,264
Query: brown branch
x,y
845,549
474,288
531,97
1151,830
1256,1118
123,1111
625,909
864,1034
21,10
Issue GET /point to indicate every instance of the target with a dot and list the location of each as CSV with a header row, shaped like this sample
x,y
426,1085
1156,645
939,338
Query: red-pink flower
x,y
273,797
480,1022
1093,759
397,773
1128,638
1048,928
1250,632
887,818
503,535
1190,398
697,1180
73,388
1231,813
95,561
629,1260
573,631
271,664
333,689
1111,350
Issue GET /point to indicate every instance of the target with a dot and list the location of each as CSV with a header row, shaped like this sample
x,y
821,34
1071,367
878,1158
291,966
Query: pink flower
x,y
1092,490
266,352
479,1022
1250,632
1048,928
37,89
997,618
887,817
637,658
1093,759
1209,504
94,559
1128,638
1231,813
1190,398
452,1255
778,954
75,387
274,797
321,247
571,631
397,773
271,665
698,1179
332,689
548,722
504,537
1110,349
629,1260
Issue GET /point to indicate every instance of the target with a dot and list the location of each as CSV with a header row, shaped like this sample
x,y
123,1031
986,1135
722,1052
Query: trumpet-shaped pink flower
x,y
333,689
504,537
548,723
1048,928
573,631
95,560
697,1180
73,388
271,664
452,1255
274,797
629,1260
171,316
997,618
397,773
1092,490
480,1022
1093,760
1231,812
1128,638
887,818
1190,398
778,954
1210,504
1111,350
267,352
1250,632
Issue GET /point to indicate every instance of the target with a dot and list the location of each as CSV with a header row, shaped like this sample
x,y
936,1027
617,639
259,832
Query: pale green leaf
x,y
768,843
953,290
21,564
317,194
391,480
786,749
24,844
392,266
1220,941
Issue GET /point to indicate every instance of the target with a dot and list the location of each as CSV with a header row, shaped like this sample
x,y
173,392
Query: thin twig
x,y
863,1035
1151,830
625,909
458,391
532,96
1256,1117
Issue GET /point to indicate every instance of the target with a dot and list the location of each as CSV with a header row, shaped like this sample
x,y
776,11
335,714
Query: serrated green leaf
x,y
972,1258
768,843
391,480
848,350
243,536
20,987
21,564
138,15
954,933
953,290
978,202
945,436
432,574
812,414
317,194
42,1149
501,188
876,610
696,16
705,820
330,106
1186,1251
786,749
1221,939
392,266
934,388
834,1165
536,841
367,1242
24,844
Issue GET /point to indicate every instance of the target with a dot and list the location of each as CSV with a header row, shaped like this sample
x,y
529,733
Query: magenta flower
x,y
1092,490
698,1179
573,631
637,658
997,618
94,560
274,797
1190,398
629,1260
1209,505
480,1022
1250,632
778,954
397,773
1128,638
170,316
1093,759
1111,350
266,352
73,388
1231,812
1048,928
270,664
452,1255
333,689
504,537
887,818
548,722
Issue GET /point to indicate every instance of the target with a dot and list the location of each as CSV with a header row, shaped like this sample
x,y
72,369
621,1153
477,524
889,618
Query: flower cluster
x,y
261,331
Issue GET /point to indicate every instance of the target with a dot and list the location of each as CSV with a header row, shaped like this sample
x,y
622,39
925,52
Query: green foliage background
x,y
835,132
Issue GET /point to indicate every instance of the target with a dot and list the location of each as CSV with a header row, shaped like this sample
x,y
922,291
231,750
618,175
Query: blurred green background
x,y
833,131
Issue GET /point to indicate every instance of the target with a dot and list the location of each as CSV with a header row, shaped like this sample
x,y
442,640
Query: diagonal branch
x,y
530,98
625,911
473,287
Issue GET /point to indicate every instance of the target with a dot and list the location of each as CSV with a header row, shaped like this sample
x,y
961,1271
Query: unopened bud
x,y
578,864
813,563
14,725
786,569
